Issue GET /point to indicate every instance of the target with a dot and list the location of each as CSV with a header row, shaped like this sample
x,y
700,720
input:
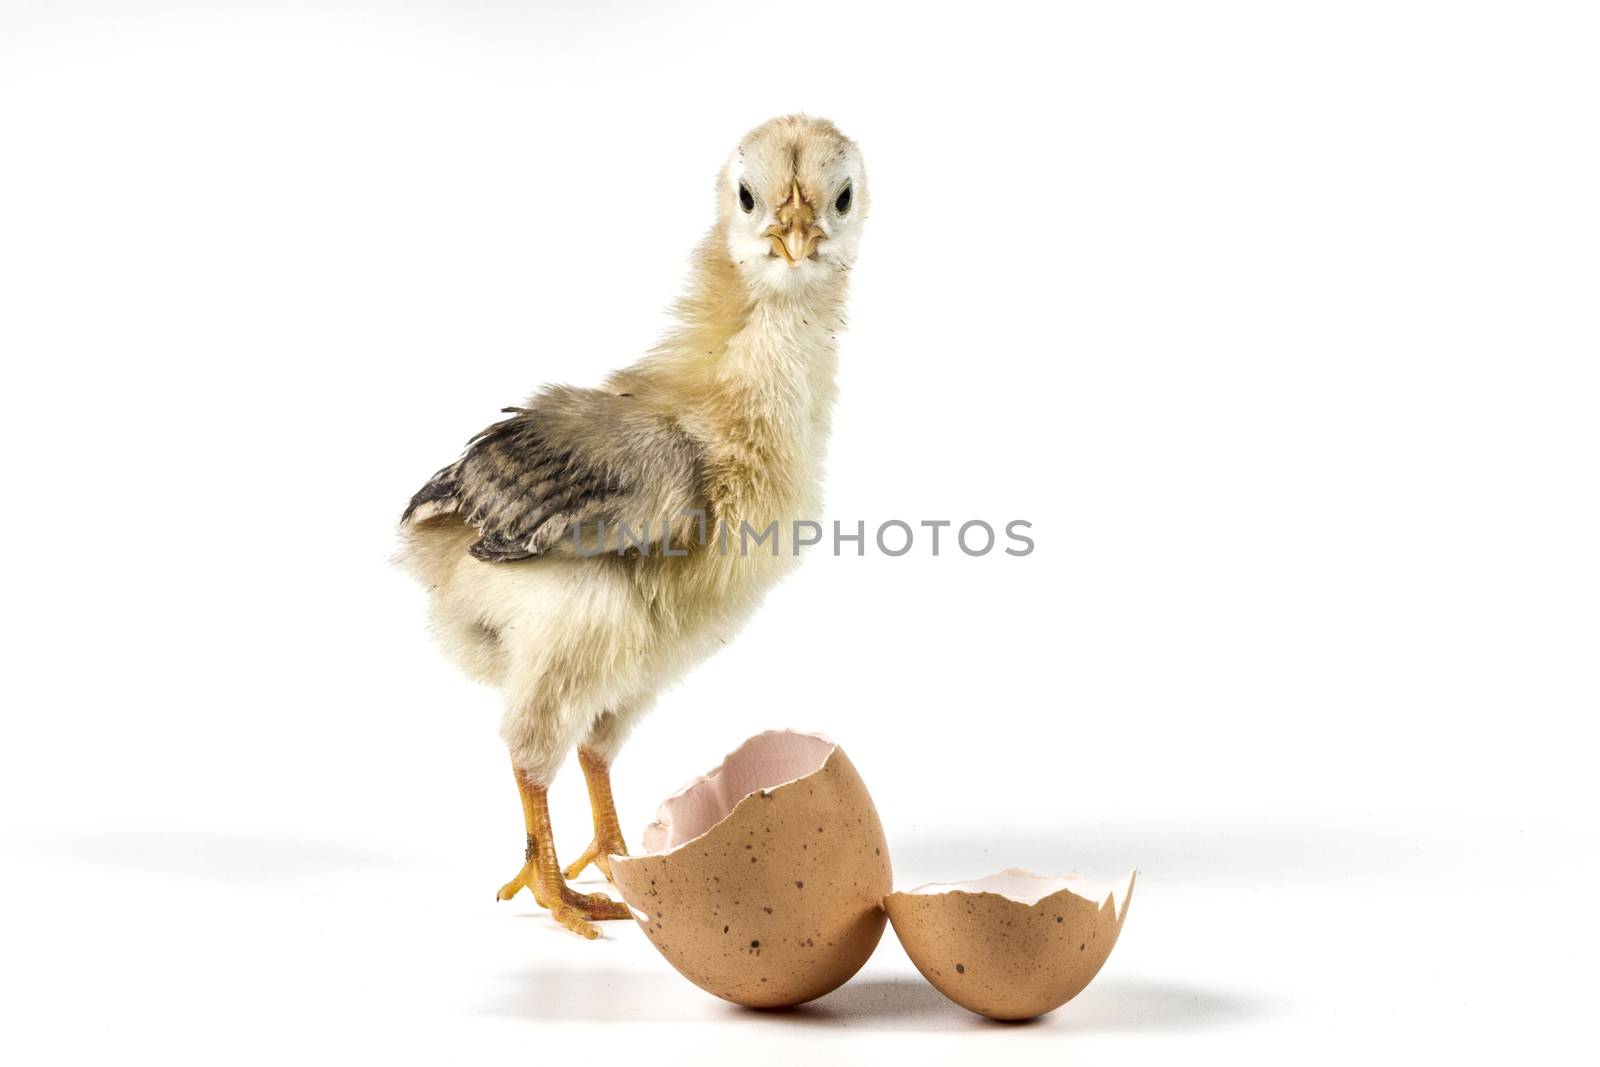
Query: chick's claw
x,y
598,853
575,922
596,906
561,898
527,878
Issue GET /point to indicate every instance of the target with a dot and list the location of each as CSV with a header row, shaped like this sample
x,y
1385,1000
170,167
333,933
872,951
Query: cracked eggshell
x,y
1013,945
762,881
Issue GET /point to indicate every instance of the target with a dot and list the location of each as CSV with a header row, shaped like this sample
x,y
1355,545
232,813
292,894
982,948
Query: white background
x,y
1278,321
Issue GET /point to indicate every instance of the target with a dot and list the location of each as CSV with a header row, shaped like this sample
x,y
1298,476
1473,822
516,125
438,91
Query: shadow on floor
x,y
223,859
1165,1007
1112,1006
900,1003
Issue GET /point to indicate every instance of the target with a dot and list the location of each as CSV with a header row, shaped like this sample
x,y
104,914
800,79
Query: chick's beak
x,y
796,234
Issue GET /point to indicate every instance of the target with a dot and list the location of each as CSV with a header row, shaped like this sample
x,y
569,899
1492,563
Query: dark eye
x,y
746,201
842,205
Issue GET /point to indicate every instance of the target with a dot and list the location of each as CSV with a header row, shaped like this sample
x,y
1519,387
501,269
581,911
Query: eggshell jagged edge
x,y
660,828
1117,897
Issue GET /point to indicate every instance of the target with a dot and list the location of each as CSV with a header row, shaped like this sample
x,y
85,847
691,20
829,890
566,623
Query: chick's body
x,y
722,429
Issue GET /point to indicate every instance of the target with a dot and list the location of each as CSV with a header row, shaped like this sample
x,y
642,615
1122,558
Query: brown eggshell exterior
x,y
778,903
1002,958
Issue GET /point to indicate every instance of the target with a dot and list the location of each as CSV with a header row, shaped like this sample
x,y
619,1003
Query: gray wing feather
x,y
570,457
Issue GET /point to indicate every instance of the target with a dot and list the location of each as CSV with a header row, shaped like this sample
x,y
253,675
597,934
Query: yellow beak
x,y
796,234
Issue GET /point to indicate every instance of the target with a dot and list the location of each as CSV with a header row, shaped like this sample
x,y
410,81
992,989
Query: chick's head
x,y
791,200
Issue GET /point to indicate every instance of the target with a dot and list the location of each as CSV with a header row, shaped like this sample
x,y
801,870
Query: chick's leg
x,y
541,873
607,840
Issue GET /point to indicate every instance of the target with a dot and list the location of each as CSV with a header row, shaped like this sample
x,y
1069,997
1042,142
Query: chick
x,y
724,423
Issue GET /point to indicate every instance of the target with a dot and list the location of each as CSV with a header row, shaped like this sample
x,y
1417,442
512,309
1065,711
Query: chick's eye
x,y
746,201
842,205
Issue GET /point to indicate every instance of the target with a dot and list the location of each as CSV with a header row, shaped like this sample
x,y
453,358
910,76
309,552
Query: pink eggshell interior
x,y
764,762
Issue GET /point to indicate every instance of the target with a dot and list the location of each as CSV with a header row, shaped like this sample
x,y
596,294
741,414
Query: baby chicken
x,y
724,423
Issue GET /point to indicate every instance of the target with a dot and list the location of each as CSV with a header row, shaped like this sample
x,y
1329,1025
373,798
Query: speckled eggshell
x,y
762,882
1014,945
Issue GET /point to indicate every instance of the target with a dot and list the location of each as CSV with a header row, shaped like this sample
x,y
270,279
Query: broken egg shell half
x,y
1013,945
762,881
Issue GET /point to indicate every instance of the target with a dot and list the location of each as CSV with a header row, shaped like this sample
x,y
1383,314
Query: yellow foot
x,y
527,878
598,853
575,922
541,871
566,905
